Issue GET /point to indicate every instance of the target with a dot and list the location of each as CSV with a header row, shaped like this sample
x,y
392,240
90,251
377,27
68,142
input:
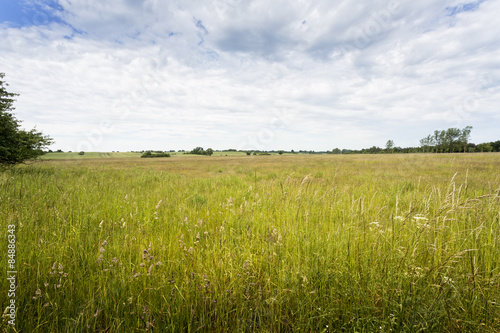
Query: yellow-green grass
x,y
75,155
402,243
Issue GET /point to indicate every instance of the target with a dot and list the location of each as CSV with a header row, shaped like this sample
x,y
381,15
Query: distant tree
x,y
280,152
464,137
198,151
81,153
484,147
16,145
209,152
452,138
336,151
426,143
248,153
496,145
389,145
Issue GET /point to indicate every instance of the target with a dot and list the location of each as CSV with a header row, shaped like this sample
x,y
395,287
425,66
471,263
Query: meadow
x,y
292,243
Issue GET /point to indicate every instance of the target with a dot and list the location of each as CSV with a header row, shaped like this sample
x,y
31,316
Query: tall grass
x,y
256,244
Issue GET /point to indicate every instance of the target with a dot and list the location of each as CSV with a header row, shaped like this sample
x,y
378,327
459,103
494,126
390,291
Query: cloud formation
x,y
252,74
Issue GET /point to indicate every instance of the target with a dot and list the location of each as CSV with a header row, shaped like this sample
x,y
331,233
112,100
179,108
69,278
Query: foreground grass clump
x,y
256,244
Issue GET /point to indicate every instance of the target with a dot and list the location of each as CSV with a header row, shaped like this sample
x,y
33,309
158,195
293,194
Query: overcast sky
x,y
295,74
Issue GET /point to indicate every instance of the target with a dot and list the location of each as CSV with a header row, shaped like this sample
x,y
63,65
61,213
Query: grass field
x,y
73,155
366,243
93,155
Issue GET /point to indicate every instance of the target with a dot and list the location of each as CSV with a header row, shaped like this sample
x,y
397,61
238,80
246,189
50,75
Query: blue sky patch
x,y
26,13
467,7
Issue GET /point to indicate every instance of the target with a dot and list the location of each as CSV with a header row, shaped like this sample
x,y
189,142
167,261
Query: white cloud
x,y
231,73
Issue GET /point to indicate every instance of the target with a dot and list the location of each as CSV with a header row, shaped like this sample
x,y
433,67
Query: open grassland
x,y
377,243
75,155
93,155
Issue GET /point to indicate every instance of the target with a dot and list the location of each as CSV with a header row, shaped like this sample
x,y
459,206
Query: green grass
x,y
402,243
75,155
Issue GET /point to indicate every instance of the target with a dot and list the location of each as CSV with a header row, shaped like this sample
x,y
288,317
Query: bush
x,y
149,154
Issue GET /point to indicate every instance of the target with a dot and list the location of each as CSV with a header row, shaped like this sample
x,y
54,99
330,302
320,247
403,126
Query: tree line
x,y
452,140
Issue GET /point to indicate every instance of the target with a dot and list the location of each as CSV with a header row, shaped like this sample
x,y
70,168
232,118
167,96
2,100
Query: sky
x,y
130,75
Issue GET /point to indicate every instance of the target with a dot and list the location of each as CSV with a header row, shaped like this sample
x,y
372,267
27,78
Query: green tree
x,y
464,137
389,145
198,151
427,142
209,151
16,145
452,138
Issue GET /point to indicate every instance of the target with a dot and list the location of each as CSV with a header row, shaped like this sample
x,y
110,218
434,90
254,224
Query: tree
x,y
464,136
389,145
452,138
16,145
426,142
198,151
209,151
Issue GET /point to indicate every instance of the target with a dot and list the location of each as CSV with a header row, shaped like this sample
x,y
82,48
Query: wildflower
x,y
142,264
150,269
190,250
102,250
104,243
158,263
246,264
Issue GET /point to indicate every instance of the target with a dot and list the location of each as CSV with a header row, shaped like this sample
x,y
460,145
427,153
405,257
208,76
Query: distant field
x,y
59,156
73,155
292,243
